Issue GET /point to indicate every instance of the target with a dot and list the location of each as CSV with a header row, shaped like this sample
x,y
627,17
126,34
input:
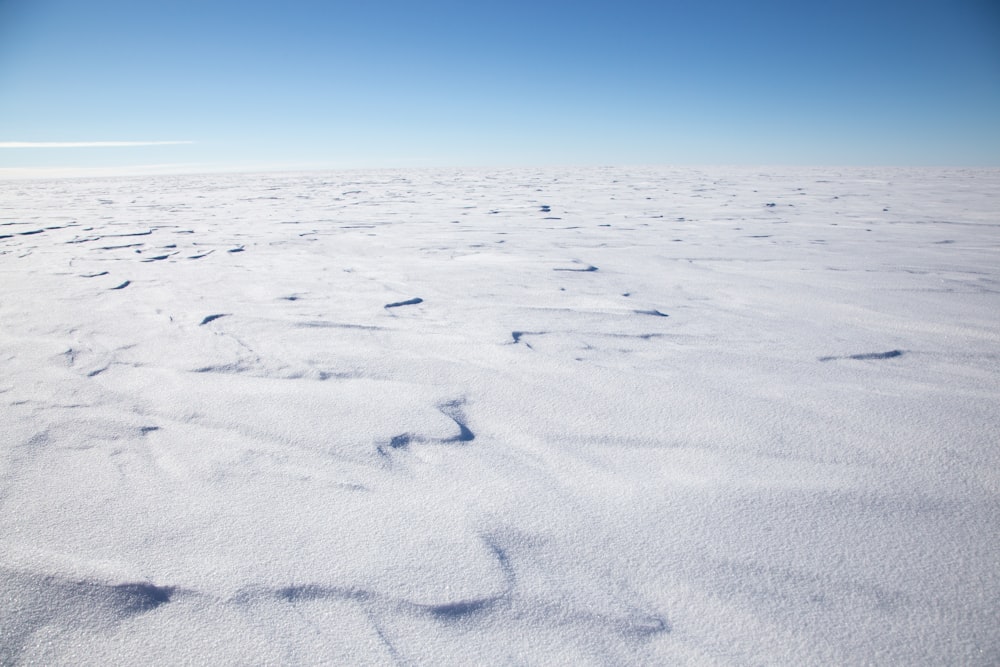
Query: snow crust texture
x,y
547,417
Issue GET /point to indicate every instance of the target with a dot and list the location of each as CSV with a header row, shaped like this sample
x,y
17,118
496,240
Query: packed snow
x,y
606,416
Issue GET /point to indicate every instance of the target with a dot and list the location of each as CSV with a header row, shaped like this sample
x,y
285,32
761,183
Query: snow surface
x,y
580,416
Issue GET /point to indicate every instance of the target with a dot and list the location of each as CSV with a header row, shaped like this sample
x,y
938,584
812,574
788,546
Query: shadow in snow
x,y
453,410
408,302
587,269
33,601
868,356
518,335
212,318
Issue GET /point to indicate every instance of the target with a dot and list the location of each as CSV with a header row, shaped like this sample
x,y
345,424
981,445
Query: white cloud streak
x,y
87,144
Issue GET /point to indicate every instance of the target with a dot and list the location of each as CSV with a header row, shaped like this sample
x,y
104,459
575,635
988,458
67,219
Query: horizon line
x,y
194,169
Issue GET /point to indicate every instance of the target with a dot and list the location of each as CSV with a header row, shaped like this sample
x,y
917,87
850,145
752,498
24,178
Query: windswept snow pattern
x,y
580,417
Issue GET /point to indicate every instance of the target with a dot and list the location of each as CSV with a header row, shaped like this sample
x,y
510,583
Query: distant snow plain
x,y
606,416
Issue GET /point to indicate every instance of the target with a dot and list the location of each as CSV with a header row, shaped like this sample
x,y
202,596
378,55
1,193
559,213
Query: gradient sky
x,y
304,83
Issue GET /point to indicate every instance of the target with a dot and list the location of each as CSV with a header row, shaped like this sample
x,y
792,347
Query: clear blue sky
x,y
304,83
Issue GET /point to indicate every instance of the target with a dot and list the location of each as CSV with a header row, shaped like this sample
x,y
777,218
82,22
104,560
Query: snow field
x,y
577,416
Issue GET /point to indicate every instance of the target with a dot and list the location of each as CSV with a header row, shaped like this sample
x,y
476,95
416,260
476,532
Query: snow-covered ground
x,y
580,416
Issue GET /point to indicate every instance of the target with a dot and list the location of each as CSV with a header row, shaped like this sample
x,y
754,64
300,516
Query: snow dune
x,y
580,416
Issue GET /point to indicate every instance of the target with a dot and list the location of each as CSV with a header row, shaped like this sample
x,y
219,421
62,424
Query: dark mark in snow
x,y
323,376
322,324
6,236
313,592
34,231
891,354
235,367
139,598
123,285
450,612
588,268
290,298
119,247
770,204
546,209
156,259
89,601
148,429
400,441
868,356
212,318
408,302
456,610
117,236
453,410
654,312
644,626
517,335
240,249
646,336
204,254
93,275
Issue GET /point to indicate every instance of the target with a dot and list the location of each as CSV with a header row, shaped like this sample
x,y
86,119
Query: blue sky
x,y
304,83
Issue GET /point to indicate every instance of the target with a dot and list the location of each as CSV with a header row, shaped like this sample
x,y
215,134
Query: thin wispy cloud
x,y
87,144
